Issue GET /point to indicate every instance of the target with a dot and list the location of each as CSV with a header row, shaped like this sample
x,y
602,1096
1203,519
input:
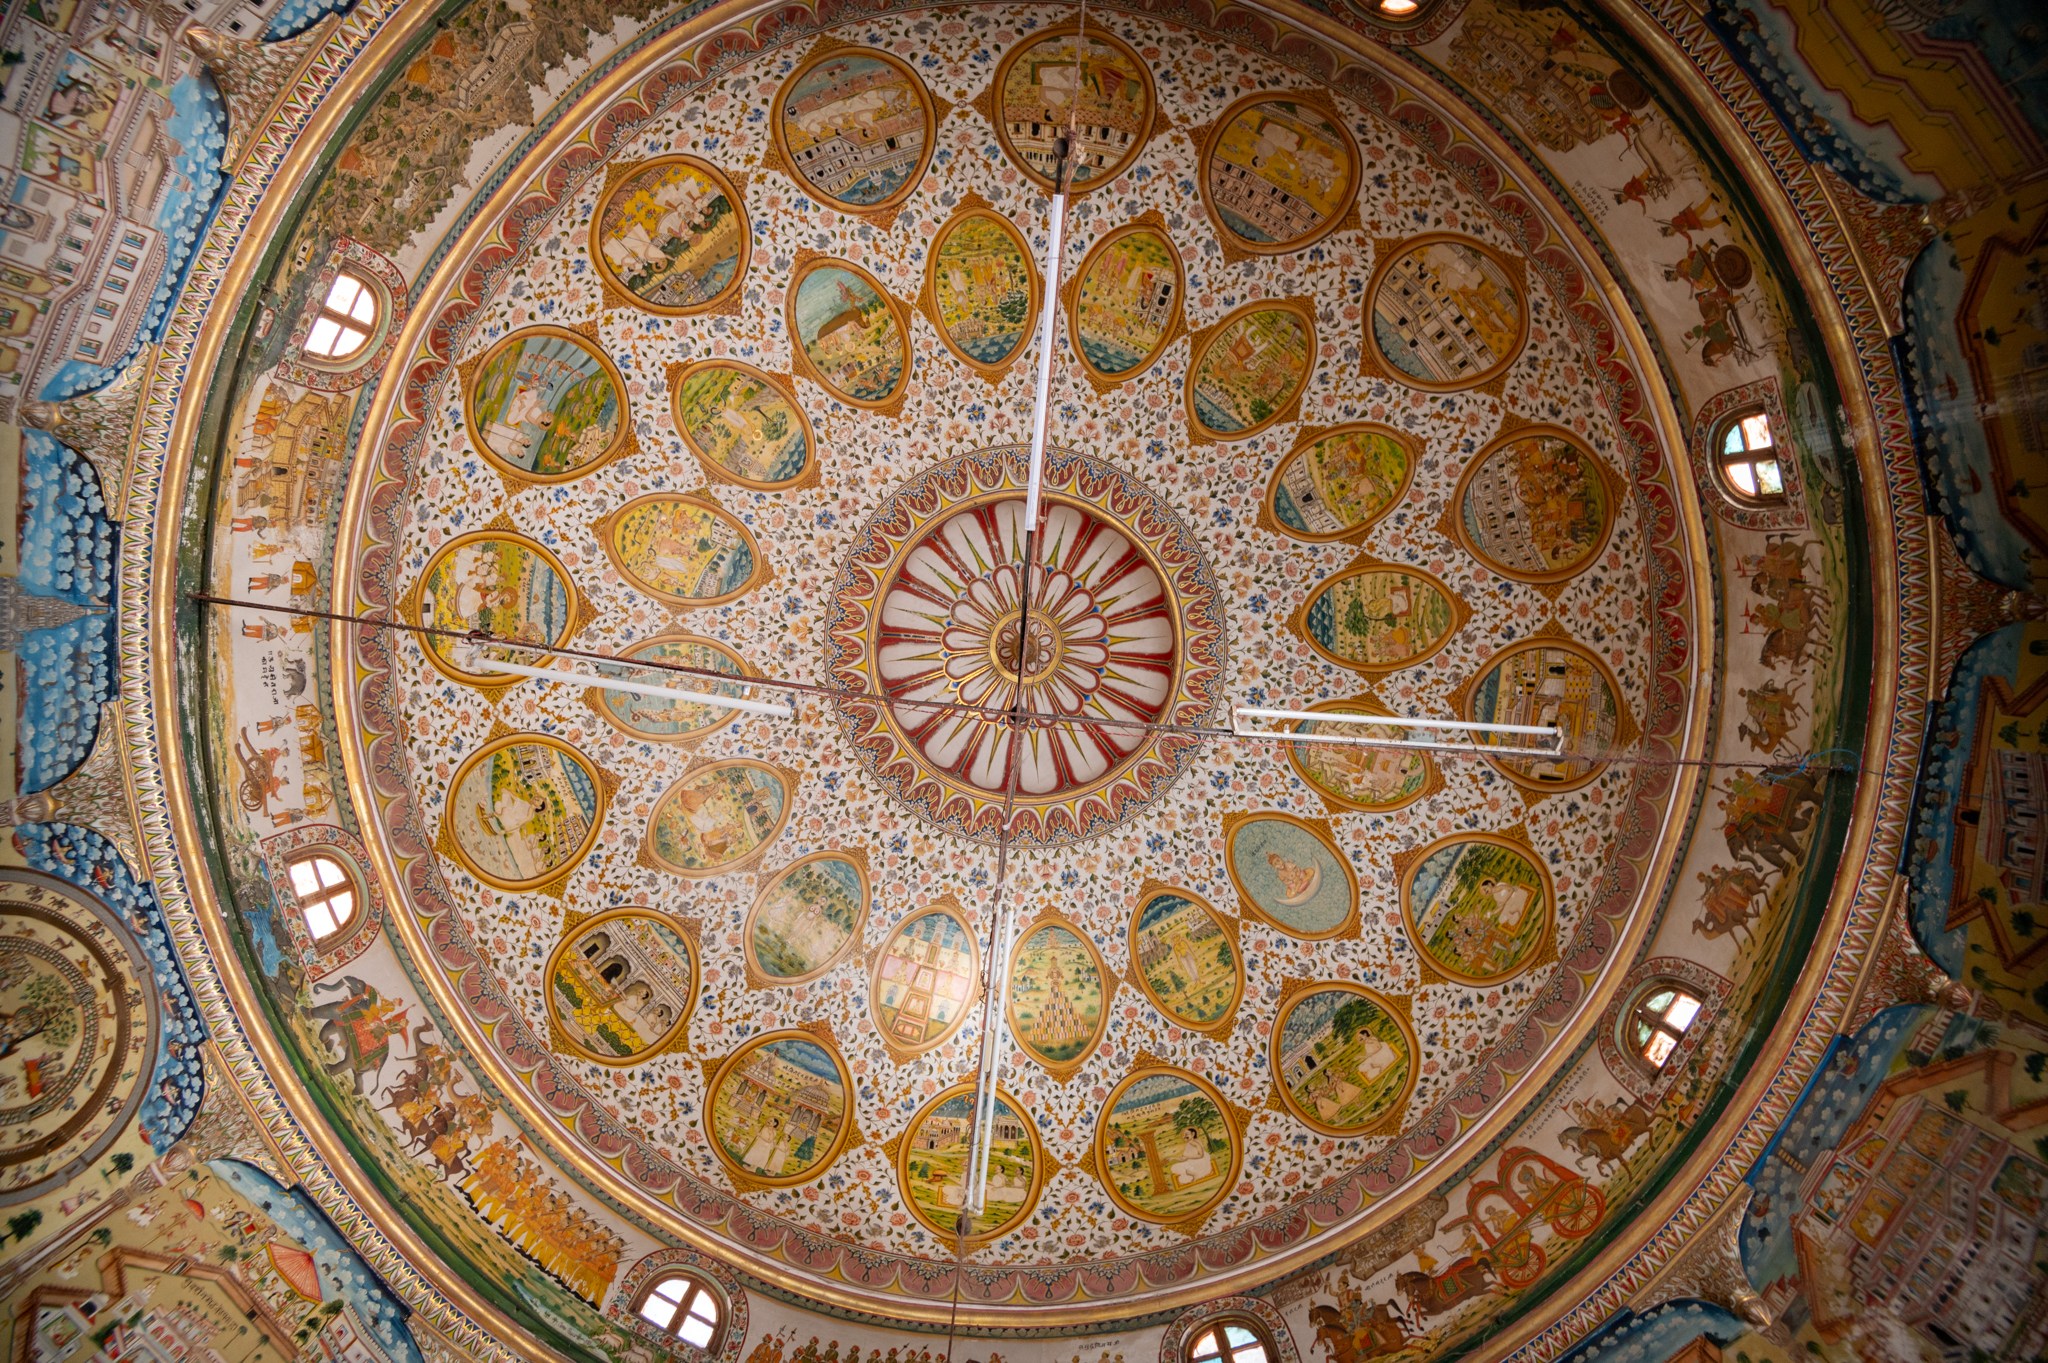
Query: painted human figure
x,y
1510,902
1194,1163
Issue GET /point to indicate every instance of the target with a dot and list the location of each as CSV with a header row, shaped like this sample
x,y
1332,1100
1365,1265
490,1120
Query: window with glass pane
x,y
326,893
1749,458
1230,1341
1660,1023
685,1307
347,317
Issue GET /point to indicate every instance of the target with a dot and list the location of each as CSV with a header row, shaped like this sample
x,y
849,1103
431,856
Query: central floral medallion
x,y
1124,630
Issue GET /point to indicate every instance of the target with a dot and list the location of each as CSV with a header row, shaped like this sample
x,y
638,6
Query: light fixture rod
x,y
987,1078
1399,721
468,656
1041,409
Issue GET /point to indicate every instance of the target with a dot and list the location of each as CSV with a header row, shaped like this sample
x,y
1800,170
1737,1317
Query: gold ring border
x,y
1348,198
932,118
1413,1060
513,474
1517,276
1546,938
1610,485
667,1038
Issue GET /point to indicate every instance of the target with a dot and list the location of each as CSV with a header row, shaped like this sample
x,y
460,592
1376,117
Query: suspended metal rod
x,y
1556,748
469,656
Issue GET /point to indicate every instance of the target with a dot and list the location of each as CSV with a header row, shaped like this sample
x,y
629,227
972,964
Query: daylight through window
x,y
326,893
1229,1341
684,1306
346,320
1661,1020
1748,459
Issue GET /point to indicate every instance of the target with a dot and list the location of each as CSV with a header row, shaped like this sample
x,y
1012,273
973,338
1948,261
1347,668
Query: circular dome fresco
x,y
737,373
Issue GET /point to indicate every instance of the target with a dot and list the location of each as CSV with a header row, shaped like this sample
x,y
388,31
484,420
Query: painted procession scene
x,y
1166,1148
1041,82
1291,874
672,235
1340,483
622,984
1446,314
779,1110
1478,909
1280,172
924,980
665,719
934,1166
498,583
522,812
545,402
981,287
744,423
1186,958
850,334
684,550
806,917
1379,618
1252,370
1345,1061
1126,302
1057,995
855,126
716,816
1536,506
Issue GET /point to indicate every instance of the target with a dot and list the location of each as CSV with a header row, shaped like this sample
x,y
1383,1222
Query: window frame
x,y
373,330
351,885
1720,461
700,1285
1634,1012
1211,1325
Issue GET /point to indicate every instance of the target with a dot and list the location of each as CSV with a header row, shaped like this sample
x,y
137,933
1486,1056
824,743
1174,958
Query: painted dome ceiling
x,y
1471,362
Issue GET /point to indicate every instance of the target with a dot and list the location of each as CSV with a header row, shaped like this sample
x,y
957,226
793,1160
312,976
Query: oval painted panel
x,y
1036,84
1378,618
855,127
743,425
497,582
849,333
779,1111
1345,1059
983,289
1445,314
932,1163
1477,908
1058,1002
806,919
1551,682
1186,959
1350,777
1536,507
621,985
925,981
673,235
659,718
1165,1146
1127,305
1249,373
546,406
1290,873
685,550
1337,485
718,817
1278,173
524,810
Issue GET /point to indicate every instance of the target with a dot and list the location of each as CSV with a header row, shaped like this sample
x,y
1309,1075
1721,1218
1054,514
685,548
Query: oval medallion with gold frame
x,y
501,583
621,986
1550,679
1184,955
1351,779
1536,505
1167,1146
981,289
848,334
1059,994
932,1165
744,426
1444,313
1290,873
670,236
1335,485
878,111
1249,371
718,817
1376,617
1344,1058
1033,97
1278,172
523,811
1124,305
780,1109
808,916
657,719
683,549
924,980
546,405
1478,908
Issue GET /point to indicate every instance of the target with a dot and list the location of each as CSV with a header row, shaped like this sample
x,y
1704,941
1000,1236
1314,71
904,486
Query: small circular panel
x,y
854,126
1278,173
1345,1059
1445,312
524,811
1166,1147
621,986
1036,85
778,1107
546,406
672,236
932,1165
1477,907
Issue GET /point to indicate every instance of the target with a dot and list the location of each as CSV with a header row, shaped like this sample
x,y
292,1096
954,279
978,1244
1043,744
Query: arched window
x,y
1231,1339
1746,458
347,319
326,892
1659,1021
687,1307
1399,9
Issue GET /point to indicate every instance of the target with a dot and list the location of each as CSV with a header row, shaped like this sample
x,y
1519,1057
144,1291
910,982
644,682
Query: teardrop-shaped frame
x,y
1461,615
1035,285
902,1052
758,978
1175,321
